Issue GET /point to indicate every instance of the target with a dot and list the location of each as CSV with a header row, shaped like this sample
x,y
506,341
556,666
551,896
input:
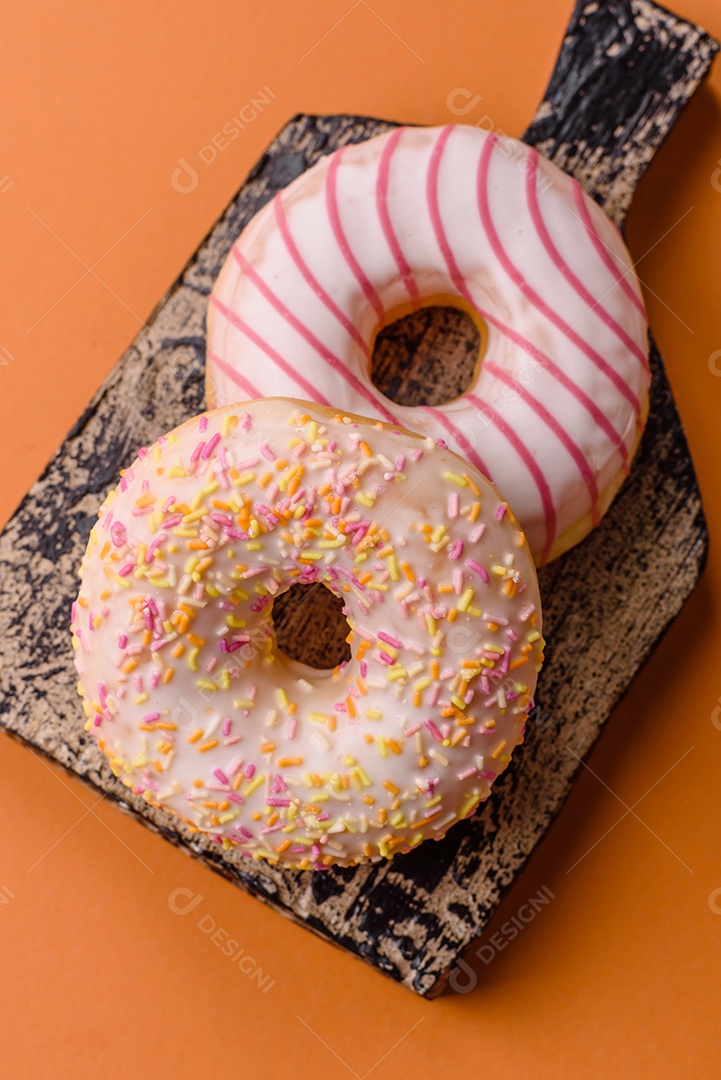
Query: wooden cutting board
x,y
625,71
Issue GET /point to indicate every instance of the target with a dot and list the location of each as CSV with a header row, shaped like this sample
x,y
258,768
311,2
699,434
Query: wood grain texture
x,y
625,71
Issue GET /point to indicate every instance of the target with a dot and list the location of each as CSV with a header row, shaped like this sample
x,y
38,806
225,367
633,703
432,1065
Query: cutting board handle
x,y
625,71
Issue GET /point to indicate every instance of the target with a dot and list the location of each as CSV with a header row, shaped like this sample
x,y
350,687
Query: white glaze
x,y
422,760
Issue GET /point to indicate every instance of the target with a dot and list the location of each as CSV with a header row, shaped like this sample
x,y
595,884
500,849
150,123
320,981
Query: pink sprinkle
x,y
212,443
125,570
455,550
526,614
118,534
249,771
232,797
417,454
363,668
122,641
102,694
411,730
382,636
434,695
292,727
478,569
488,616
458,581
454,505
501,512
511,634
400,462
471,771
245,427
386,658
244,832
478,533
221,776
267,452
203,423
235,766
227,725
433,730
198,451
273,800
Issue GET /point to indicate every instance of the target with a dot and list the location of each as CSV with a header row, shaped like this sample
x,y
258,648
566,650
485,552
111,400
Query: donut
x,y
461,217
200,713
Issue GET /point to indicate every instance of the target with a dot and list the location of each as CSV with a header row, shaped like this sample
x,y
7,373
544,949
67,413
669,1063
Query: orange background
x,y
618,975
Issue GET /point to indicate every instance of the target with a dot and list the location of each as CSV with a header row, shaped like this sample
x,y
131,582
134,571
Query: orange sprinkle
x,y
284,762
350,705
283,846
472,484
425,821
518,662
196,640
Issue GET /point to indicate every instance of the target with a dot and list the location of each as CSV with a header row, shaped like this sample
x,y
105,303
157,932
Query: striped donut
x,y
482,222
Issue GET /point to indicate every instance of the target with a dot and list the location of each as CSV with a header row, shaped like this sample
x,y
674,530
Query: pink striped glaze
x,y
555,409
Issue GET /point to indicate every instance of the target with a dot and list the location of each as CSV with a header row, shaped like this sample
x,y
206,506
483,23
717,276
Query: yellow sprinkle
x,y
454,478
253,784
244,478
465,600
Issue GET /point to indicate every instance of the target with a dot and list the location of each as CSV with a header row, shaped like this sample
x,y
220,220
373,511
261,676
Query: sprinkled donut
x,y
198,710
455,216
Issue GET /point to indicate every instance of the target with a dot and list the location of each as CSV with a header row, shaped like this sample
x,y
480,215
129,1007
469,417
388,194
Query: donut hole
x,y
427,357
310,626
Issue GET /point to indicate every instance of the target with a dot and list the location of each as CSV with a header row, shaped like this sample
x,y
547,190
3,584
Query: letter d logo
x,y
182,901
184,179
